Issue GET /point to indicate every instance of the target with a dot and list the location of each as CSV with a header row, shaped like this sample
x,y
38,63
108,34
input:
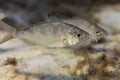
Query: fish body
x,y
55,34
94,30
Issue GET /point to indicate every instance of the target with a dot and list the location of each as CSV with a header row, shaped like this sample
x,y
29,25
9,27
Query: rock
x,y
8,73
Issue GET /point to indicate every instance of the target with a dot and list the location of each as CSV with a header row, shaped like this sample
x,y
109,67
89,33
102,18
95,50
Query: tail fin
x,y
5,27
7,32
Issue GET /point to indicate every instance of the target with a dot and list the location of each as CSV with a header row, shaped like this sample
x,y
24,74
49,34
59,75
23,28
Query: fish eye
x,y
97,32
78,35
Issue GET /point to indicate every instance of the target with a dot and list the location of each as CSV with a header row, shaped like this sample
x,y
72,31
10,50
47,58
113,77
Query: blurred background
x,y
21,13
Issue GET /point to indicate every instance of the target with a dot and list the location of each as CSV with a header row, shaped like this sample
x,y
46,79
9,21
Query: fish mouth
x,y
94,39
98,39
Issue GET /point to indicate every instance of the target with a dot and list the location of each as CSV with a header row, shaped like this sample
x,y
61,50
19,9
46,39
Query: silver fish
x,y
55,34
94,30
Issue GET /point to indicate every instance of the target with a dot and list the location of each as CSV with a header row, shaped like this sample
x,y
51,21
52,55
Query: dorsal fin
x,y
47,20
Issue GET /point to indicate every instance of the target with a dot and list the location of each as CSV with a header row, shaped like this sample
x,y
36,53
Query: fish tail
x,y
5,27
7,32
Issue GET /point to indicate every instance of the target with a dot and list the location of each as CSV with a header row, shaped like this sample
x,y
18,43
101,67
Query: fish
x,y
94,30
53,34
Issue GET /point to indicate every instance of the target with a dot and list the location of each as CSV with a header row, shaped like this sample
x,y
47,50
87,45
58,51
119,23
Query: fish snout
x,y
88,36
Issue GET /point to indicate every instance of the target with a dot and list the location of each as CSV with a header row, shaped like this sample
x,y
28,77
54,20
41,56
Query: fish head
x,y
98,32
77,36
93,29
